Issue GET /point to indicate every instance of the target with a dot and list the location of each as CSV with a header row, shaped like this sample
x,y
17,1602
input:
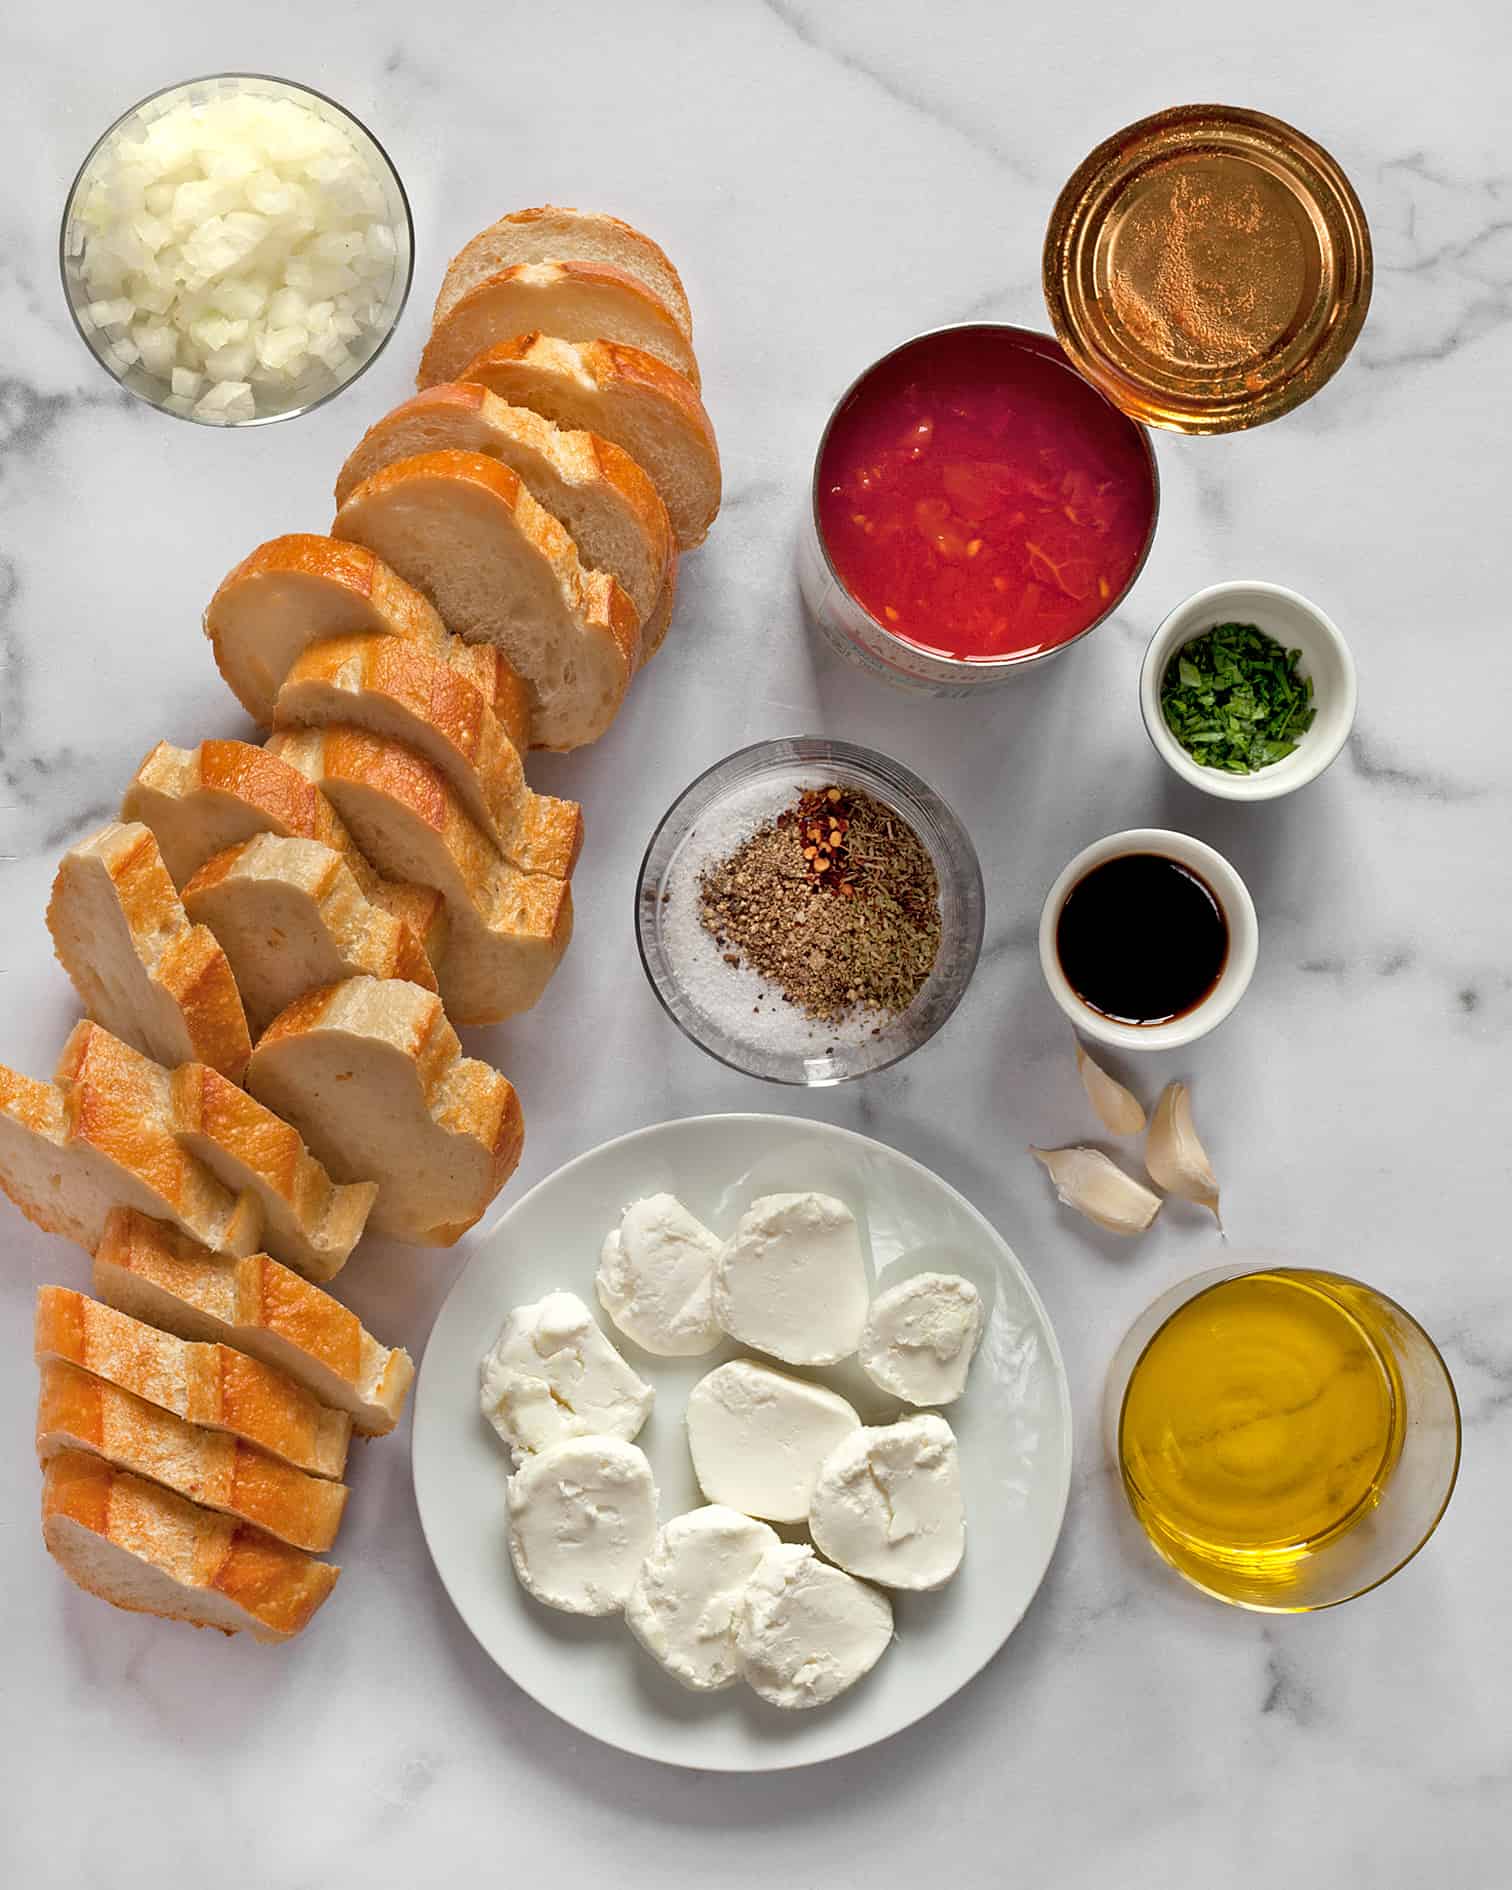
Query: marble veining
x,y
833,176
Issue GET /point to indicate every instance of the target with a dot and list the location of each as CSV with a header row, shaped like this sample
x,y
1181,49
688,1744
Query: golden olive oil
x,y
1263,1419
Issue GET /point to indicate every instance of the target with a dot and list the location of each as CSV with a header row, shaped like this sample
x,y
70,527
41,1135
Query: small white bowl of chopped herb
x,y
1248,691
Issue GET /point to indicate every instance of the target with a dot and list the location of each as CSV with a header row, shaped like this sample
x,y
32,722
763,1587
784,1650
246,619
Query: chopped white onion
x,y
235,245
226,401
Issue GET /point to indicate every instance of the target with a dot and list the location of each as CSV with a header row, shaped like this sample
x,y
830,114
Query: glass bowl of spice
x,y
809,911
1248,691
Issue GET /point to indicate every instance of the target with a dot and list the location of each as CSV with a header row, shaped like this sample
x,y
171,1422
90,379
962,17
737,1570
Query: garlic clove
x,y
1086,1180
1176,1160
1119,1110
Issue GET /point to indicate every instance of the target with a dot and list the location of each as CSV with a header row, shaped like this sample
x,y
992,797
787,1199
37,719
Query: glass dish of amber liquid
x,y
1287,1438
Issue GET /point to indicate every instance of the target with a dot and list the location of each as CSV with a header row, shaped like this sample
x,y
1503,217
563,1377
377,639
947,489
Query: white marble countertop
x,y
831,178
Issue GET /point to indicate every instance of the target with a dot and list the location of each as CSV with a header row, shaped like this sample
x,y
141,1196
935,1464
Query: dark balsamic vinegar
x,y
1142,939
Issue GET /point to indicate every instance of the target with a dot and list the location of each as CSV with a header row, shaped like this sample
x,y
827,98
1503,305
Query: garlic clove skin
x,y
1176,1160
1086,1180
1119,1110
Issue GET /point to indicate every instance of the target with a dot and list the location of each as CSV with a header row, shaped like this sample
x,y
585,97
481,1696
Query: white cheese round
x,y
686,1599
792,1280
656,1278
757,1437
887,1504
921,1337
553,1375
582,1519
807,1631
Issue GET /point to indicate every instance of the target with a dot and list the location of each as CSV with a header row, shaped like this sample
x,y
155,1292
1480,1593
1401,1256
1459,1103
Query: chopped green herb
x,y
1235,700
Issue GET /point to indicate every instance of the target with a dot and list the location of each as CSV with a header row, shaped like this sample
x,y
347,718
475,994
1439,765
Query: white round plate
x,y
1013,1422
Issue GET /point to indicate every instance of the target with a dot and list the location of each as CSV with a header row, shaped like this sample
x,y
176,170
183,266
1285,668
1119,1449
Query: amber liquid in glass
x,y
1262,1421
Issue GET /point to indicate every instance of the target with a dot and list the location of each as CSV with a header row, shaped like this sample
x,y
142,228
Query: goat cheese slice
x,y
656,1278
757,1437
582,1519
553,1375
686,1599
887,1504
791,1280
921,1336
808,1631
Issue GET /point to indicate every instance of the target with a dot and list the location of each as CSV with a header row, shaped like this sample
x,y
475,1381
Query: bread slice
x,y
211,1385
150,1270
579,301
142,1548
78,1412
558,233
308,1220
592,487
289,915
399,693
508,929
199,801
625,396
655,627
501,570
255,1157
138,965
69,1154
373,1076
297,588
260,616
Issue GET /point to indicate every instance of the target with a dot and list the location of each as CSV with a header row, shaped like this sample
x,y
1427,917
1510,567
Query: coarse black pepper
x,y
836,901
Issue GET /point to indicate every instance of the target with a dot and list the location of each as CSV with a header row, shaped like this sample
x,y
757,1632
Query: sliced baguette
x,y
579,301
142,1548
373,1076
625,396
76,1411
260,616
290,915
559,233
592,487
212,1385
255,1157
150,1270
309,1221
399,693
199,801
69,1154
303,586
140,968
297,588
508,929
501,570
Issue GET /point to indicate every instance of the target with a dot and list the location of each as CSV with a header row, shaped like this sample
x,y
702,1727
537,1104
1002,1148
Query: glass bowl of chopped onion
x,y
809,911
236,249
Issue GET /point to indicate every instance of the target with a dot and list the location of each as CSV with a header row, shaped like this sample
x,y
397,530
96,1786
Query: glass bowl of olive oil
x,y
1287,1437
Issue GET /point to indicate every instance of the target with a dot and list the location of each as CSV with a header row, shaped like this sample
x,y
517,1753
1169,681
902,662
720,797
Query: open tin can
x,y
859,631
1206,270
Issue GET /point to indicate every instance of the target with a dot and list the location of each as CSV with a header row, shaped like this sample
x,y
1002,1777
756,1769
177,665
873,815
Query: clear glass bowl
x,y
319,383
681,960
1407,1509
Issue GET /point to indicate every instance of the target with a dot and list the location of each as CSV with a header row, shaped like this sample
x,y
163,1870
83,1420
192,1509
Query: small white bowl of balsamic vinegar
x,y
1148,939
1296,624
